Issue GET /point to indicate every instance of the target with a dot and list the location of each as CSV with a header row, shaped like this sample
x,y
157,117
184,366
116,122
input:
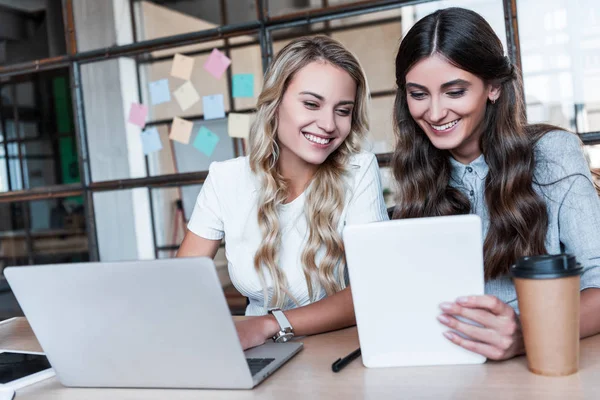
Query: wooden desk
x,y
308,375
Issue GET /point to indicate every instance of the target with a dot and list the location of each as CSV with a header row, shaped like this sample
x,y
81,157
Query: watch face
x,y
284,338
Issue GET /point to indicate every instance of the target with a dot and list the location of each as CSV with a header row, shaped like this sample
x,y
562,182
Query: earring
x,y
493,101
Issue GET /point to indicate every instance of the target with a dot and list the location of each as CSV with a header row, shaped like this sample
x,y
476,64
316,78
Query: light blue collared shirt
x,y
562,178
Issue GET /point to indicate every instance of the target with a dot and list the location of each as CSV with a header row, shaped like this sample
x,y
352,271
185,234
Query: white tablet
x,y
23,368
400,271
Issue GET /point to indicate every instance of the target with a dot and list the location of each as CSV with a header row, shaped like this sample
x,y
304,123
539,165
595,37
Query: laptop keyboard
x,y
257,364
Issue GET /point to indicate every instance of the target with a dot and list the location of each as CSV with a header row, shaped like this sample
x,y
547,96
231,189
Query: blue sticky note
x,y
213,106
151,141
206,141
243,85
159,91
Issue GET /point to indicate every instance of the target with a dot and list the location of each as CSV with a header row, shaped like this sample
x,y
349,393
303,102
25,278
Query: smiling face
x,y
449,105
315,114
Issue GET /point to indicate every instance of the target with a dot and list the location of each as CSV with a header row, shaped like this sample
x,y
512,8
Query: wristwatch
x,y
287,332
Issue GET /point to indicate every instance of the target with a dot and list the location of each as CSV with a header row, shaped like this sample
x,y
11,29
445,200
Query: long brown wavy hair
x,y
325,197
518,216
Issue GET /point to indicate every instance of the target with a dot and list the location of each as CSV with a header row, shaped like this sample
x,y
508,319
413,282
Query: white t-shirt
x,y
227,207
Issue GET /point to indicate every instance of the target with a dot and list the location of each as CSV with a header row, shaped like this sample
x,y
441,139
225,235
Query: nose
x,y
437,110
326,121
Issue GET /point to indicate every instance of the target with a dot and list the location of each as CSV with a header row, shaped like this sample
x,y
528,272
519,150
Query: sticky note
x,y
206,141
182,67
238,125
150,140
213,106
181,130
243,85
159,92
186,95
217,63
138,114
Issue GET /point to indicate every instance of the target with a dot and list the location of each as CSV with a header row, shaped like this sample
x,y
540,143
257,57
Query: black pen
x,y
342,362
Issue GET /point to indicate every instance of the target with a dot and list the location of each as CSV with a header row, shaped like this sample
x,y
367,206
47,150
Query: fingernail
x,y
448,335
462,300
446,306
443,319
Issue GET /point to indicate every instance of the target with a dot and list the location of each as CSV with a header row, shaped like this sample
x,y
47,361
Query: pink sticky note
x,y
138,114
217,63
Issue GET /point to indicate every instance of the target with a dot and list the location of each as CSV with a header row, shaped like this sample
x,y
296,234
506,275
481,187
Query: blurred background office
x,y
76,184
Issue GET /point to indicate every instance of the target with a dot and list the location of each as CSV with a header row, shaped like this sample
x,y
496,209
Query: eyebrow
x,y
444,85
319,97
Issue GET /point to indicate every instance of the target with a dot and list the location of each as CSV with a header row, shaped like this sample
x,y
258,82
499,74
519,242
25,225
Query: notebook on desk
x,y
146,324
400,271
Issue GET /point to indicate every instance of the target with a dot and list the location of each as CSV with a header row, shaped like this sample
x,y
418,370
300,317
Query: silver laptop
x,y
400,271
146,324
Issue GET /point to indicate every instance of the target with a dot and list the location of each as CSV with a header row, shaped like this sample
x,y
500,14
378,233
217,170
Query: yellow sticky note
x,y
181,130
186,95
182,67
238,125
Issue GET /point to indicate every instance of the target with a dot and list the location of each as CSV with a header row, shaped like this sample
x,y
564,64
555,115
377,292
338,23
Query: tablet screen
x,y
15,366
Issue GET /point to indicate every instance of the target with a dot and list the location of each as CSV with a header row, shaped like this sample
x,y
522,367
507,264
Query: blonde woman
x,y
282,208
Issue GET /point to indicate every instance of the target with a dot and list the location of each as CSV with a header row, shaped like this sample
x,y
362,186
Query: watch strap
x,y
284,323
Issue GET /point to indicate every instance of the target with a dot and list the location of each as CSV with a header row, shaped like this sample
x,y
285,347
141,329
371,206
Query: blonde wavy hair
x,y
326,194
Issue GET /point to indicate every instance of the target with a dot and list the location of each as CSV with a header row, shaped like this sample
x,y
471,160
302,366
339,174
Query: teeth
x,y
445,126
316,139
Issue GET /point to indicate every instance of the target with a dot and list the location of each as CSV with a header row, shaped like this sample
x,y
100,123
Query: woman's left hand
x,y
498,338
253,331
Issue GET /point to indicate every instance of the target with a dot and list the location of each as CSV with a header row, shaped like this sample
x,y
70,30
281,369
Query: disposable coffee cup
x,y
548,295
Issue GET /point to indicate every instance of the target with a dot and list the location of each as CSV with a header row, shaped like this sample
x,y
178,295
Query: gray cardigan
x,y
562,178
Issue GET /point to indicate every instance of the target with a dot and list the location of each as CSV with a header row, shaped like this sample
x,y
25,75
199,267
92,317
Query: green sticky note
x,y
206,141
243,85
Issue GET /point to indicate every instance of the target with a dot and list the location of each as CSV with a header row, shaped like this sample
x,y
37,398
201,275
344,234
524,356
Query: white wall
x,y
122,217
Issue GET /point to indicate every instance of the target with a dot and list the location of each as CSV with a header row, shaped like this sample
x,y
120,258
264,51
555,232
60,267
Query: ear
x,y
494,92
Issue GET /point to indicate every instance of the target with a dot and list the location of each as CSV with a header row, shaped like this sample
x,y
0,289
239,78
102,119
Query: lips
x,y
445,127
317,139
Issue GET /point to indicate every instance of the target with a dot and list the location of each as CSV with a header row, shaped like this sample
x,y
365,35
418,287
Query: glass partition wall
x,y
79,181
